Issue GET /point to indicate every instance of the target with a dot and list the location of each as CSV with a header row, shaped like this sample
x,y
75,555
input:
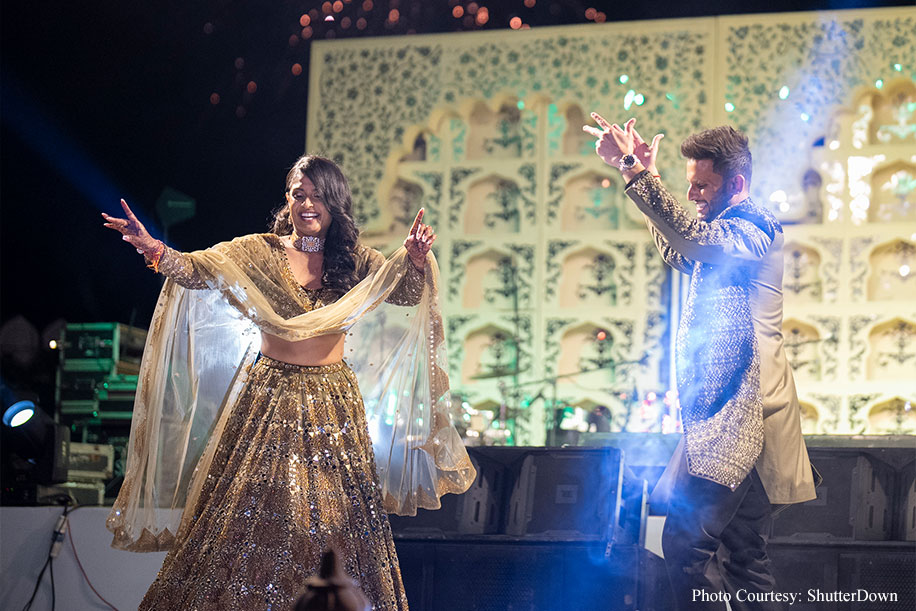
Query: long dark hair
x,y
339,267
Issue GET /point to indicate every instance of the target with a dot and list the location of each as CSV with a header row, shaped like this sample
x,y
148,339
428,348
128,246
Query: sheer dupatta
x,y
201,345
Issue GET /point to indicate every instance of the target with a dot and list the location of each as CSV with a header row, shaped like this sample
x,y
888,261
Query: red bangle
x,y
156,256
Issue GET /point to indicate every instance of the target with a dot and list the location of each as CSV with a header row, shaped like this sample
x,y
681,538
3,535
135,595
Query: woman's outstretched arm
x,y
159,257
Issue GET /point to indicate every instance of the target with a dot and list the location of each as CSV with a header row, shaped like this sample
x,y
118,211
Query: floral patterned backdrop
x,y
547,271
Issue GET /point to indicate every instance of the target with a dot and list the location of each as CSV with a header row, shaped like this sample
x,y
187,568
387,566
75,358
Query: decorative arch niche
x,y
893,193
404,200
591,203
885,115
581,348
801,344
496,134
419,149
588,278
488,351
489,278
801,277
494,205
893,272
892,350
576,141
894,114
896,416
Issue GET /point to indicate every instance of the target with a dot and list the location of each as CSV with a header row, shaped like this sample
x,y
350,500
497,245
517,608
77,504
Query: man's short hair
x,y
725,146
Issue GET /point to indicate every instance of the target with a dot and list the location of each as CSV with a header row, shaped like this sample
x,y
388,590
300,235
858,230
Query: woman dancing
x,y
250,449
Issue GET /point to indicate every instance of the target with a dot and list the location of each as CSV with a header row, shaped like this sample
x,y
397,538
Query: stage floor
x,y
123,577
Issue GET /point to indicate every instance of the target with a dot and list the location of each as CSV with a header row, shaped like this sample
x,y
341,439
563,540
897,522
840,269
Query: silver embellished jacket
x,y
737,395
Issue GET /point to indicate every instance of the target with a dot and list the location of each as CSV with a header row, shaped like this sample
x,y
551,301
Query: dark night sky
x,y
107,98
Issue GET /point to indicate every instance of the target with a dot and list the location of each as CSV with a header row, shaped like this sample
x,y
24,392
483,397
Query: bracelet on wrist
x,y
155,256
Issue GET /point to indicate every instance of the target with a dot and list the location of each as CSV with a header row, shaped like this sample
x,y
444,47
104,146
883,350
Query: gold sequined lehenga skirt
x,y
293,474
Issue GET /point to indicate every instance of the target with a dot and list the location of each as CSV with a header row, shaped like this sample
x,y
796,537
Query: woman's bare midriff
x,y
321,350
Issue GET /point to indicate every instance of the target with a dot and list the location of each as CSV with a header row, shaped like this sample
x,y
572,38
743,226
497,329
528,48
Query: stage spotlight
x,y
18,414
41,445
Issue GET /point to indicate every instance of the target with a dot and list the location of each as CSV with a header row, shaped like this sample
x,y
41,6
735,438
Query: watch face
x,y
627,161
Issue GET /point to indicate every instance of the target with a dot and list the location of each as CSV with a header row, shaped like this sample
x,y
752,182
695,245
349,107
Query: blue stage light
x,y
18,413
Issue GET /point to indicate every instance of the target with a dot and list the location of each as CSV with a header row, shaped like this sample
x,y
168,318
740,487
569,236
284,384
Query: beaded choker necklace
x,y
308,243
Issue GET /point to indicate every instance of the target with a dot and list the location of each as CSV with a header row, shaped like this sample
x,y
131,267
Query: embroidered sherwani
x,y
737,394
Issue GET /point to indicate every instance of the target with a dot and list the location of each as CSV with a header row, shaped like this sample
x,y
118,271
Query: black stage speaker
x,y
855,500
906,503
634,510
566,494
815,571
654,587
492,575
476,512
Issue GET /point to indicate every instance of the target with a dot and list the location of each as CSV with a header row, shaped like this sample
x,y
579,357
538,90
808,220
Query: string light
x,y
515,23
783,93
729,107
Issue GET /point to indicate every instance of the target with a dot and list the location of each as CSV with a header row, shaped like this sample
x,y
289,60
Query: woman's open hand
x,y
419,241
132,230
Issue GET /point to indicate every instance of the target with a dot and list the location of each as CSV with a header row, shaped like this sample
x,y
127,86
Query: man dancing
x,y
742,450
